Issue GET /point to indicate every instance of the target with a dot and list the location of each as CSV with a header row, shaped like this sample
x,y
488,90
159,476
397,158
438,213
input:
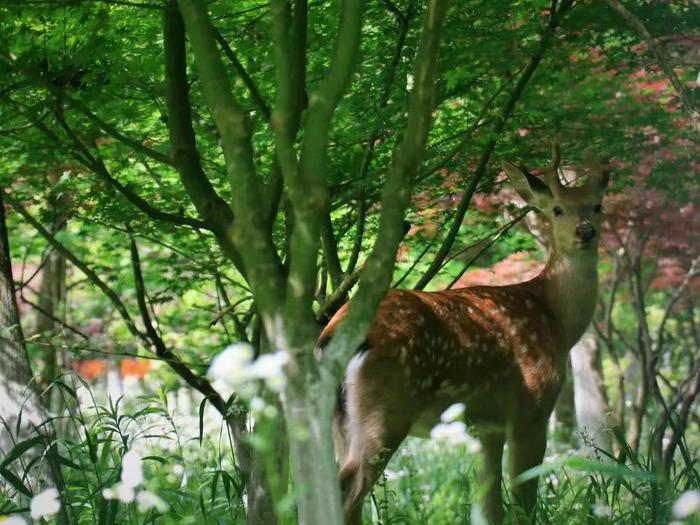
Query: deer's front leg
x,y
527,441
489,475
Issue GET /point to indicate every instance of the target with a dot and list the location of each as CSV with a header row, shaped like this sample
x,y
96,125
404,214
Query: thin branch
x,y
693,272
662,57
490,241
487,150
78,263
330,251
338,296
390,73
114,132
467,134
51,316
199,383
425,250
255,94
96,165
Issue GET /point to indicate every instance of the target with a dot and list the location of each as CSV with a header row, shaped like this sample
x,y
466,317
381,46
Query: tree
x,y
258,182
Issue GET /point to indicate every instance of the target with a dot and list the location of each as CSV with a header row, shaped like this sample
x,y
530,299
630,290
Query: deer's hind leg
x,y
376,423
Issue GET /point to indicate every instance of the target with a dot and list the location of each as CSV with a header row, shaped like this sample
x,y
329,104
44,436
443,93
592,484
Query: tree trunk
x,y
51,294
592,408
20,406
268,470
309,409
18,397
565,415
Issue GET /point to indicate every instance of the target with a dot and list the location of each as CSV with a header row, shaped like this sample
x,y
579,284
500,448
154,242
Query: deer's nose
x,y
585,231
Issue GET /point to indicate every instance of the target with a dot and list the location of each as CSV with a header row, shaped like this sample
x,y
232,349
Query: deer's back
x,y
487,343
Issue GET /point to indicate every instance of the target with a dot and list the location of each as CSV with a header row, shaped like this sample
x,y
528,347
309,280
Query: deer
x,y
500,350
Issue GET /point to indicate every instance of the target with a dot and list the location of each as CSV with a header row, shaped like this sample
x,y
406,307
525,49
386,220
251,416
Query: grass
x,y
188,462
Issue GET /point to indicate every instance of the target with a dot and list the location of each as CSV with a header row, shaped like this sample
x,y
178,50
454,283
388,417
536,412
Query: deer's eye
x,y
558,212
598,208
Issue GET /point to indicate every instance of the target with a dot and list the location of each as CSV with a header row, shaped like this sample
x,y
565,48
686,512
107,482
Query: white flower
x,y
178,469
688,503
120,491
124,492
455,433
257,404
132,471
553,480
453,413
390,475
270,368
146,501
602,510
45,504
13,520
231,365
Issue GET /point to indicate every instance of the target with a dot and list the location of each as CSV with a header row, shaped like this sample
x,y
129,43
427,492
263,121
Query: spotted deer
x,y
499,350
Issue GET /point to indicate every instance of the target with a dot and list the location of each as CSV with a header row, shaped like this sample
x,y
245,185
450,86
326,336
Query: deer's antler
x,y
551,172
598,169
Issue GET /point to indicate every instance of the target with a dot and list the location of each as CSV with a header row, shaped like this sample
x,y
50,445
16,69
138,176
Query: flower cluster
x,y
235,369
687,504
131,477
45,504
454,431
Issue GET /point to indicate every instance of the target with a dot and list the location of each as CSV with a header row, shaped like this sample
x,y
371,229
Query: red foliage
x,y
92,369
517,267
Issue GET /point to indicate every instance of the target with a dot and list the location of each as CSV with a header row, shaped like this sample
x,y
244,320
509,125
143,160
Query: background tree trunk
x,y
17,395
592,408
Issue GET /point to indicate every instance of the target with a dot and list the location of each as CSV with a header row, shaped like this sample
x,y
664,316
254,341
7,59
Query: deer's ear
x,y
533,190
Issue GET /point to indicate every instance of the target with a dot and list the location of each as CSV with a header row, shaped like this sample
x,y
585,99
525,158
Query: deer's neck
x,y
570,285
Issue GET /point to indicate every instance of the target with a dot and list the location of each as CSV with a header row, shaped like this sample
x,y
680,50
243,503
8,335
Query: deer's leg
x,y
370,448
489,474
527,442
376,423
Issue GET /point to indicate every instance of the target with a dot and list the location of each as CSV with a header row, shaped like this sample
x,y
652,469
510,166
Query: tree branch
x,y
211,207
662,57
114,132
255,94
693,272
403,20
308,187
487,150
98,167
250,229
199,383
377,276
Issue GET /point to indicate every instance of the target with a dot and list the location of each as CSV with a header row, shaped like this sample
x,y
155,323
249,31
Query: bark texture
x,y
592,408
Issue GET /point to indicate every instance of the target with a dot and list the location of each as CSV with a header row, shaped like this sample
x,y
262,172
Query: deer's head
x,y
574,212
